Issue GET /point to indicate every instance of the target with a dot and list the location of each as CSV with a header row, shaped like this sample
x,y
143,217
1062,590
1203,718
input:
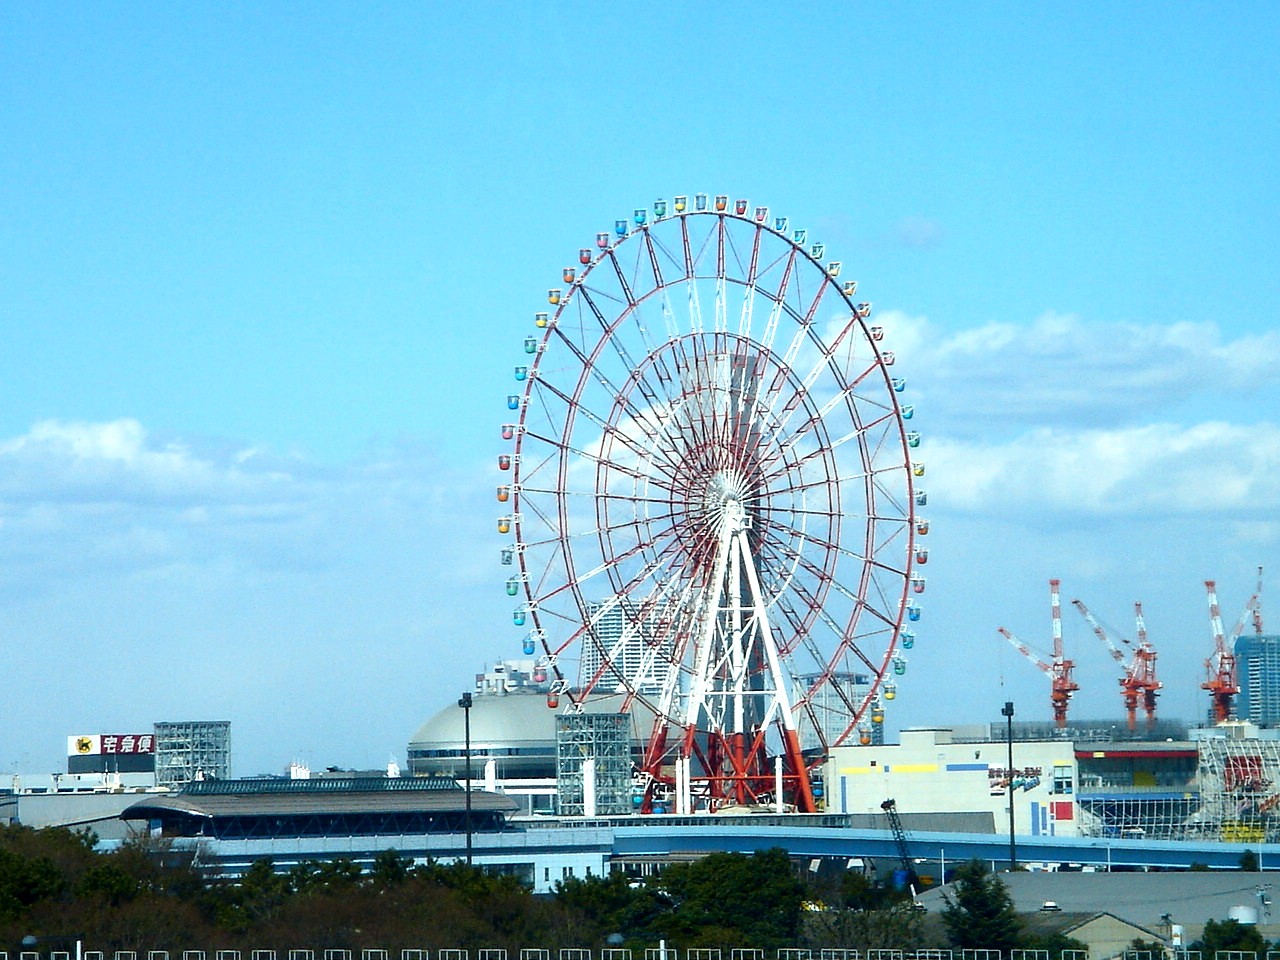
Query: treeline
x,y
147,896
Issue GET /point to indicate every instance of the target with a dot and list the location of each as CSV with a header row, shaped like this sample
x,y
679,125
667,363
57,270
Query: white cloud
x,y
1061,370
119,462
76,496
1157,469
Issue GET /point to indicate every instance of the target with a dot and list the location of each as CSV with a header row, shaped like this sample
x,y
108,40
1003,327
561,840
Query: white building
x,y
930,772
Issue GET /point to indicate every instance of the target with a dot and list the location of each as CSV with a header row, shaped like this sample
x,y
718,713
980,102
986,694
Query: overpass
x,y
545,851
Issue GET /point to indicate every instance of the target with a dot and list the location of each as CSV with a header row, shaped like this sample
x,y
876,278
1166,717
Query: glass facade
x,y
1258,671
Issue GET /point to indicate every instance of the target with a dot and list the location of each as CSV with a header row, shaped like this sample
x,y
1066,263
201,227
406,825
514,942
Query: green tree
x,y
613,904
1056,943
25,881
888,925
981,915
1229,935
109,882
259,895
312,876
732,898
863,893
1151,948
390,869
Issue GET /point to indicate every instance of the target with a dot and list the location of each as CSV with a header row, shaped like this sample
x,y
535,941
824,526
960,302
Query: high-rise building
x,y
616,647
1258,671
833,706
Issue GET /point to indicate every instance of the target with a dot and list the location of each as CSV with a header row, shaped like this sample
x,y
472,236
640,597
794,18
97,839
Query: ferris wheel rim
x,y
797,253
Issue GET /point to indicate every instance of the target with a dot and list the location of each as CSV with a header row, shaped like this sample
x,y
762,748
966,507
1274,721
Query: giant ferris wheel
x,y
710,488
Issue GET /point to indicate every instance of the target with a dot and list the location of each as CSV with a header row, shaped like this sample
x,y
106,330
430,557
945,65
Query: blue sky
x,y
263,271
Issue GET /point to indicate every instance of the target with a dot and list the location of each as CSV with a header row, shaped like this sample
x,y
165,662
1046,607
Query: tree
x,y
259,896
613,904
1229,935
25,881
1055,943
729,898
981,915
390,869
888,925
1153,949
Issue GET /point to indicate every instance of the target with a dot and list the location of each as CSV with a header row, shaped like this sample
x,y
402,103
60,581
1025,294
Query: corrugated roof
x,y
1189,897
296,802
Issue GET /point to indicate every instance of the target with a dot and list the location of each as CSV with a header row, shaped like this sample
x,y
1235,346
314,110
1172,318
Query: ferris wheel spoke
x,y
655,265
615,342
695,307
823,453
853,554
803,394
591,371
749,293
820,415
608,434
824,576
567,448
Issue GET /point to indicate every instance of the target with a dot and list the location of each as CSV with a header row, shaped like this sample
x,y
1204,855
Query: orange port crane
x,y
1139,683
1058,668
1221,679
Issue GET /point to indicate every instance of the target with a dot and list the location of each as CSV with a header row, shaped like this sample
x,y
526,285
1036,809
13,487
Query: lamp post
x,y
1007,713
465,703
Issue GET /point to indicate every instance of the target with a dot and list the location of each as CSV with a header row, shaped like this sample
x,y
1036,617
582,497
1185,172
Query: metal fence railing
x,y
629,953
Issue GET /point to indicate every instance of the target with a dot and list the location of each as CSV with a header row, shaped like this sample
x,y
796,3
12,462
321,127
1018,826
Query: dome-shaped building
x,y
513,736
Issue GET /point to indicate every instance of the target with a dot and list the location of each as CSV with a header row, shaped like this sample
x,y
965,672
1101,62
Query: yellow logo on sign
x,y
84,744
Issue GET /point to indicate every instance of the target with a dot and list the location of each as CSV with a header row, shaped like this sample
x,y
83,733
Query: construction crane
x,y
1058,668
1257,606
1220,668
910,879
1139,684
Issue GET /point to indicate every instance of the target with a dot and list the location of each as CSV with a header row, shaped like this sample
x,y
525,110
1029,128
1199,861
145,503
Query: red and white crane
x,y
1058,668
1221,679
1139,684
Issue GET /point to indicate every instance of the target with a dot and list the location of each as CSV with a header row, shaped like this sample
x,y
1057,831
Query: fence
x,y
621,953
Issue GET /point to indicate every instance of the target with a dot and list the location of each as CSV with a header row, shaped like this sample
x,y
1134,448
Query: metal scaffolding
x,y
1240,790
593,764
1234,797
192,750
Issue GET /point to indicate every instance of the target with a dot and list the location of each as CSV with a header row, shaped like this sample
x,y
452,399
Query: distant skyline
x,y
263,276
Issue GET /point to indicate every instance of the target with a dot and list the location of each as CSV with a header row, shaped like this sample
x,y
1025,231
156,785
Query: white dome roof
x,y
513,719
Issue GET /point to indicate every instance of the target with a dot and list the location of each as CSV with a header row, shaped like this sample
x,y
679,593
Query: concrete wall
x,y
928,773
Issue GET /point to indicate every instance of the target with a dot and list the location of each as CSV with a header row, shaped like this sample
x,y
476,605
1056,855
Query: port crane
x,y
1057,668
1221,678
1139,684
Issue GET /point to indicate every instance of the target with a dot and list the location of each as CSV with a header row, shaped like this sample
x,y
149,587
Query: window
x,y
1062,782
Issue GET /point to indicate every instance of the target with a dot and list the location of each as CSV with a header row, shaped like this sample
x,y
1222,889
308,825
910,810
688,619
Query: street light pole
x,y
465,703
1007,713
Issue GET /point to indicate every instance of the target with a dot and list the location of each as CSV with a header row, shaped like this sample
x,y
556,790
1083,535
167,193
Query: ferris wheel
x,y
711,493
